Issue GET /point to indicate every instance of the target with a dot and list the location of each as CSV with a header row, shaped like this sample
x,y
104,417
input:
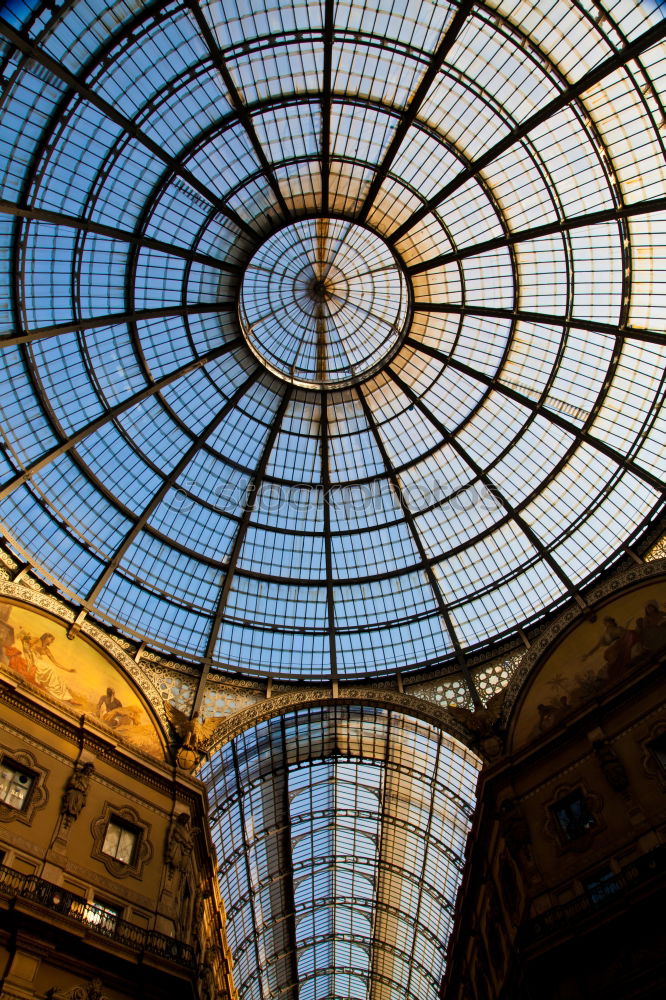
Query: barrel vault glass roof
x,y
340,835
509,154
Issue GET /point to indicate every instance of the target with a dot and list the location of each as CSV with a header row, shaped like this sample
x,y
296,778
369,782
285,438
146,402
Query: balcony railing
x,y
99,919
640,871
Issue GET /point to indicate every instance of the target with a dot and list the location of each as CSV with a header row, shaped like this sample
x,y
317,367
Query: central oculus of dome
x,y
324,303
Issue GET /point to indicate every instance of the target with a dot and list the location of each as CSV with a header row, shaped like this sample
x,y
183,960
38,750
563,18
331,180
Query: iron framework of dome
x,y
469,456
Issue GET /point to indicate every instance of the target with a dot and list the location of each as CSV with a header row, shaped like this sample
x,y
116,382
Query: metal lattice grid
x,y
323,302
340,835
507,447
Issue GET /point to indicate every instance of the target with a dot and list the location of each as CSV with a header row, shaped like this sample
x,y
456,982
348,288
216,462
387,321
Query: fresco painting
x,y
593,657
75,674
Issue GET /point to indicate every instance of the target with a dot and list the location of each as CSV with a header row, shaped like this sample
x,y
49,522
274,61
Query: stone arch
x,y
281,704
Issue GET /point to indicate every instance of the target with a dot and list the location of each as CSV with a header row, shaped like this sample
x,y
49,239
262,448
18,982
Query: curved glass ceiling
x,y
322,302
340,834
339,497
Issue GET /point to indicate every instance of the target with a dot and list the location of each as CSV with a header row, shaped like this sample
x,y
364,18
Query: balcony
x,y
604,894
97,919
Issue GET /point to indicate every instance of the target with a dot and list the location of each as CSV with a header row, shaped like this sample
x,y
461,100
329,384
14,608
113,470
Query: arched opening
x,y
340,831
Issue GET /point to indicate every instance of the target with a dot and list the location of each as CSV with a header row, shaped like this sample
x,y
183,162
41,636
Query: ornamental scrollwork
x,y
91,991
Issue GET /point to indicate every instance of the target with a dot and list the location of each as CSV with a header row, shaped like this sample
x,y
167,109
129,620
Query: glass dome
x,y
333,334
323,302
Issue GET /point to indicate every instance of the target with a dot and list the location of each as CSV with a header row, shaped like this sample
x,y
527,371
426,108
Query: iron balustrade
x,y
640,871
98,918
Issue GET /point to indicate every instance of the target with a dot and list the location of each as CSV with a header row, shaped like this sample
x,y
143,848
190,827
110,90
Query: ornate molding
x,y
651,764
143,851
556,835
280,704
634,575
91,991
38,795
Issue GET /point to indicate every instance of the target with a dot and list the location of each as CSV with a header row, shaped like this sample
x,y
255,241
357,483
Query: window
x,y
573,816
602,886
15,785
22,785
120,841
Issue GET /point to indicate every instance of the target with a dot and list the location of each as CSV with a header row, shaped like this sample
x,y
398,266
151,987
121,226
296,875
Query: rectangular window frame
x,y
572,815
121,840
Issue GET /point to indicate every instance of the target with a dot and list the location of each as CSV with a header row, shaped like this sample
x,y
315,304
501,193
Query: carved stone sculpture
x,y
92,991
614,770
76,791
180,841
483,725
517,837
193,733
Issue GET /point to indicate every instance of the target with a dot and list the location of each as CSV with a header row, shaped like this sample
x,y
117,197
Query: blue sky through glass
x,y
340,836
487,471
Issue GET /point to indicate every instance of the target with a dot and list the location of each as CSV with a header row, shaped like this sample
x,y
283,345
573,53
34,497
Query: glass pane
x,y
15,786
111,839
378,311
126,844
377,808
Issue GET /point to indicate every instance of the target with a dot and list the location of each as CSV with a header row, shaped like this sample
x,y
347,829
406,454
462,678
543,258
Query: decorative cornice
x,y
156,661
280,704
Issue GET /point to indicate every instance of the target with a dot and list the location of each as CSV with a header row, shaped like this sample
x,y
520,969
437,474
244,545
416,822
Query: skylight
x,y
340,835
423,456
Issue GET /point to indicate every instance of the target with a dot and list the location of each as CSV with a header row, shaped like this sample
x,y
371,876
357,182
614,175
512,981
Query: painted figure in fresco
x,y
76,674
618,645
17,661
112,712
654,616
6,633
652,627
35,661
108,703
124,717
